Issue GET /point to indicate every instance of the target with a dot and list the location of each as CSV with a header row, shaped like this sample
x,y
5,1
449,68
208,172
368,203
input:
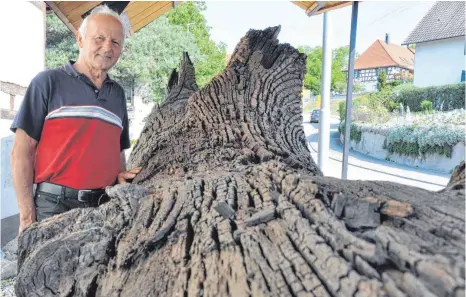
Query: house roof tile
x,y
381,54
444,20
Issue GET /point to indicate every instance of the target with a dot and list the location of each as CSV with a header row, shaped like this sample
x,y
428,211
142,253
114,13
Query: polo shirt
x,y
80,129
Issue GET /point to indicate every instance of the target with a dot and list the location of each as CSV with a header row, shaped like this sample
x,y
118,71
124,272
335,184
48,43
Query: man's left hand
x,y
125,175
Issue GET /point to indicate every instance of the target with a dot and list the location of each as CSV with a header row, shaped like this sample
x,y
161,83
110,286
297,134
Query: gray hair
x,y
103,9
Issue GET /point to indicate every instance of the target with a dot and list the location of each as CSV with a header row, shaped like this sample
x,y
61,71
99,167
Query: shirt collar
x,y
71,71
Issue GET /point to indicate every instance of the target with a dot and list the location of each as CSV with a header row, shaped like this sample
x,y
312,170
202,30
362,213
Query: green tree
x,y
382,81
189,16
60,45
340,87
313,76
339,63
151,55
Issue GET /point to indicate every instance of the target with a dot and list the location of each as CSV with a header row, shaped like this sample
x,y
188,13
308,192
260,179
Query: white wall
x,y
370,86
5,101
372,144
141,110
439,62
22,56
23,44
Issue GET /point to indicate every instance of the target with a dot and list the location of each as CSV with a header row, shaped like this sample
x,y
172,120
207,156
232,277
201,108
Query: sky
x,y
230,20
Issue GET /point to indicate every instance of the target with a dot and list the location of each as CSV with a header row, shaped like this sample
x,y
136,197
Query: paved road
x,y
363,167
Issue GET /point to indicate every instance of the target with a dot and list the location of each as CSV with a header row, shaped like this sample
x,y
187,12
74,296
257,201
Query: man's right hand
x,y
26,220
22,167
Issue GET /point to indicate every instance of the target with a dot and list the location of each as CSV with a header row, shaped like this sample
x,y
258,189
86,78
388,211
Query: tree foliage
x,y
189,16
152,53
382,81
339,62
313,76
60,45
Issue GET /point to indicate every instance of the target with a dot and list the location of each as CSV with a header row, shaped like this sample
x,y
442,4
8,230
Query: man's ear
x,y
79,39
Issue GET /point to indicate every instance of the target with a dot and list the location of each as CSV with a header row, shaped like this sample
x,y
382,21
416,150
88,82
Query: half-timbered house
x,y
395,60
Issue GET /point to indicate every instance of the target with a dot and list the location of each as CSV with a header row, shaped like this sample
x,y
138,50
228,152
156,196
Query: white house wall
x,y
439,62
22,56
369,86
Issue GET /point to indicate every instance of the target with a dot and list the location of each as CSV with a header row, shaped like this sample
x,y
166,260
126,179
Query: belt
x,y
82,195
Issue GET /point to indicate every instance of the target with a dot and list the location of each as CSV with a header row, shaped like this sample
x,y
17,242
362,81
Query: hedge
x,y
452,97
355,131
432,133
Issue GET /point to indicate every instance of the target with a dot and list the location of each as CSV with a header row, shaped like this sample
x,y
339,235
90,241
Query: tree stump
x,y
230,203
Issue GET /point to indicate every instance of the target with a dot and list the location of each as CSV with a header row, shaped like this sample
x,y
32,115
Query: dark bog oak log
x,y
230,203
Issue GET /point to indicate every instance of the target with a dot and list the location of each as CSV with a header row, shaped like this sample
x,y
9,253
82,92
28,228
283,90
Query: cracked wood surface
x,y
230,203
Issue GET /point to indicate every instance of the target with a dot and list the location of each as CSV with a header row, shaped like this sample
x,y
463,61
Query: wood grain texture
x,y
230,203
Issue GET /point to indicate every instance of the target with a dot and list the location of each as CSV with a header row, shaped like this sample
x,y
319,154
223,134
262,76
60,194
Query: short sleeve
x,y
124,138
34,108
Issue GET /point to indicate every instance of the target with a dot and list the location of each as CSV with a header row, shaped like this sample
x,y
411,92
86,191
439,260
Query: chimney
x,y
387,38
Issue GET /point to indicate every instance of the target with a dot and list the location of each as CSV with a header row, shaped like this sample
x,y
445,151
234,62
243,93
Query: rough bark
x,y
230,203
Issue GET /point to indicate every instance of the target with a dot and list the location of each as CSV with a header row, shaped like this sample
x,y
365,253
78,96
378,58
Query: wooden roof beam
x,y
61,16
339,5
315,7
150,15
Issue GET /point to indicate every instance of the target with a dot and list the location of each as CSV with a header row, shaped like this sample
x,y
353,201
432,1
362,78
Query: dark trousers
x,y
48,205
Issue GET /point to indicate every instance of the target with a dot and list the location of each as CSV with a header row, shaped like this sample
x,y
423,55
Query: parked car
x,y
315,116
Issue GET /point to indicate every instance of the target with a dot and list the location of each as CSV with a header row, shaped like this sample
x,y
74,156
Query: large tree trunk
x,y
230,203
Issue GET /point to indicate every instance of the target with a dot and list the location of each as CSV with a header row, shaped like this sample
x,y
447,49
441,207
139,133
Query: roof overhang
x,y
139,13
317,7
409,42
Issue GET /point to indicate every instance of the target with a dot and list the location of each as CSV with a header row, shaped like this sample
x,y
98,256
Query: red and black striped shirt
x,y
80,129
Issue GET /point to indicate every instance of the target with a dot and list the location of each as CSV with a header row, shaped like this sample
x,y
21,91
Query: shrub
x,y
382,81
426,106
446,97
355,131
364,99
403,87
391,105
428,134
395,83
342,110
340,86
382,99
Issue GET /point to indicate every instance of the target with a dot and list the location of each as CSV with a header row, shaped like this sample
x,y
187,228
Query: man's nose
x,y
107,46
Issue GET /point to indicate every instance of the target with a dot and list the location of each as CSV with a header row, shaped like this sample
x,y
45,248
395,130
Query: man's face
x,y
102,45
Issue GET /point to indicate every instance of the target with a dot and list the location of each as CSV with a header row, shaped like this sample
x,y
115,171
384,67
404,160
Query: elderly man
x,y
72,128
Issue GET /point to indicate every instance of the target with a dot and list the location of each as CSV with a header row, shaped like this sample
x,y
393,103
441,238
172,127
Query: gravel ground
x,y
7,288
